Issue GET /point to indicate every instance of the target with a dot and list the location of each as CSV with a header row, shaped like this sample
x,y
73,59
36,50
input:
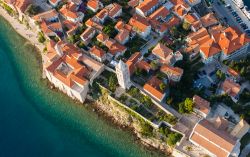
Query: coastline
x,y
119,118
30,35
102,110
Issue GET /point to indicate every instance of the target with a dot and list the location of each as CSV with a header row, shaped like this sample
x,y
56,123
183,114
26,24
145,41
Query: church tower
x,y
123,75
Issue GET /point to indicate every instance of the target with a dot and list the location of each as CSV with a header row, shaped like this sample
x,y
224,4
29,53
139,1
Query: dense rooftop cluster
x,y
152,46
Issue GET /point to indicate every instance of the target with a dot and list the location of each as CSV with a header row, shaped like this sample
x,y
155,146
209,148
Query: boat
x,y
246,11
239,3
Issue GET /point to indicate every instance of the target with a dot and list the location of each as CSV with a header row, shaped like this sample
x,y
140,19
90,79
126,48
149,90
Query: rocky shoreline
x,y
116,116
121,118
108,111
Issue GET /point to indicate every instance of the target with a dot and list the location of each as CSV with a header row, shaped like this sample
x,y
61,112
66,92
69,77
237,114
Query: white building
x,y
123,75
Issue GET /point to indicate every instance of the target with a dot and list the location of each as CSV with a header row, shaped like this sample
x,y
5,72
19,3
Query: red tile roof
x,y
210,48
97,51
152,87
231,40
201,104
214,140
230,87
176,71
139,23
162,51
146,5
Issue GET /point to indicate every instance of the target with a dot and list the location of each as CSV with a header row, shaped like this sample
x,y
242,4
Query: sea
x,y
36,121
247,3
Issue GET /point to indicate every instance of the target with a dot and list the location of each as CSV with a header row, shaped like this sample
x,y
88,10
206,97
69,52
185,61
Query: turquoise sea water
x,y
38,122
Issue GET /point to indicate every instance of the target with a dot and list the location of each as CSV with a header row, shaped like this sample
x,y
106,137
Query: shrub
x,y
173,138
146,129
41,37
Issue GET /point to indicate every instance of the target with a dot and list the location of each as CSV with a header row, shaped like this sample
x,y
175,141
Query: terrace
x,y
64,68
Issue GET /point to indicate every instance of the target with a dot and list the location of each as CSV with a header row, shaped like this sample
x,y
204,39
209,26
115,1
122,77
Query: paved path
x,y
245,151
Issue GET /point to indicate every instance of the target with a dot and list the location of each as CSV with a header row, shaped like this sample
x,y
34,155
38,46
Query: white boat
x,y
246,11
239,3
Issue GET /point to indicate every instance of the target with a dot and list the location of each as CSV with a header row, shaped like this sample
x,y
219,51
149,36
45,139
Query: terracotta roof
x,y
146,5
102,14
97,51
46,15
176,71
54,1
162,51
152,87
233,72
139,23
120,25
212,139
114,9
48,28
132,60
115,47
122,35
86,34
68,71
175,2
180,10
210,48
102,37
231,40
20,4
208,20
92,23
190,18
197,25
201,104
156,19
51,52
69,10
162,12
94,4
133,3
230,87
142,64
173,22
197,35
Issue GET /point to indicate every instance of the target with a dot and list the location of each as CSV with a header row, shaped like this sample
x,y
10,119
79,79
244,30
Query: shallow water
x,y
38,122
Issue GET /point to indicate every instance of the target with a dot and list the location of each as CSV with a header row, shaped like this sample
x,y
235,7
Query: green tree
x,y
173,138
112,82
41,37
138,71
186,26
165,131
220,75
154,65
146,129
162,86
189,105
242,71
186,106
32,10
